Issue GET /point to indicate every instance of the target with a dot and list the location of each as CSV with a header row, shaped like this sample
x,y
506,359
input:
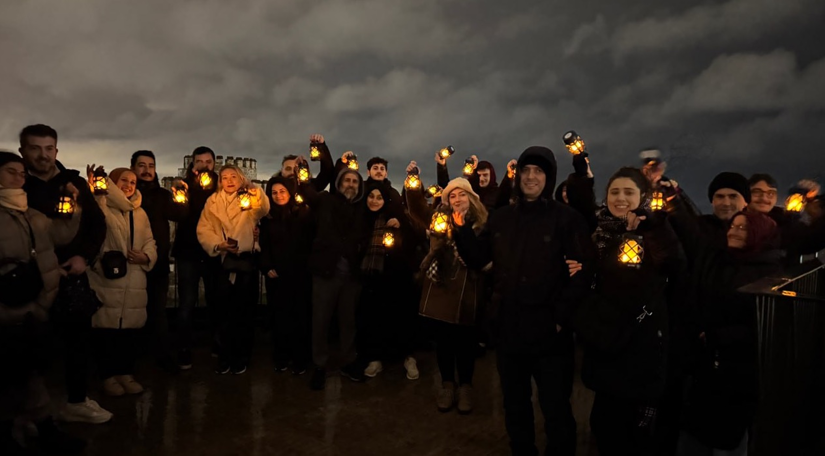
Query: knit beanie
x,y
458,182
733,181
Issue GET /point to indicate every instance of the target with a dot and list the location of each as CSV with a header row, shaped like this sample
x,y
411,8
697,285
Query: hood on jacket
x,y
360,194
291,186
544,159
117,199
559,195
484,164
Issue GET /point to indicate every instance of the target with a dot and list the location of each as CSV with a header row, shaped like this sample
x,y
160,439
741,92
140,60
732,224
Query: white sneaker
x,y
412,368
84,412
373,369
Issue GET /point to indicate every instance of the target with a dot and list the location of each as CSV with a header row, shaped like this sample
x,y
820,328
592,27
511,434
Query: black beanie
x,y
733,181
8,157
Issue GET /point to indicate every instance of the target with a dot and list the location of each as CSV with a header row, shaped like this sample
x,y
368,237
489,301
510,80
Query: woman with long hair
x,y
227,229
450,294
118,277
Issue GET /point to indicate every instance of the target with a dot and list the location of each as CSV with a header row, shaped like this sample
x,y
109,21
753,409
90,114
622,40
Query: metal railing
x,y
790,319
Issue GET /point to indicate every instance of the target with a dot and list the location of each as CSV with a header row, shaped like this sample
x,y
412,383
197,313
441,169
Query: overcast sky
x,y
717,85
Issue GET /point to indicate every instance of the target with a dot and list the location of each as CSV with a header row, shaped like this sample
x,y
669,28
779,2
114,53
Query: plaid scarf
x,y
373,263
610,229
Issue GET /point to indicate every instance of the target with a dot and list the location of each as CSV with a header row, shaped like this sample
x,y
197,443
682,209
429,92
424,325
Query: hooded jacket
x,y
528,243
123,299
286,233
15,245
43,196
341,236
161,209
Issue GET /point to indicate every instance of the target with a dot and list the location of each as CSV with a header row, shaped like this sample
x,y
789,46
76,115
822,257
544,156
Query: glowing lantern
x,y
447,152
631,252
389,238
65,205
244,199
179,194
303,172
205,180
99,183
314,153
795,203
440,223
434,191
573,142
352,162
413,180
511,170
657,201
299,199
469,167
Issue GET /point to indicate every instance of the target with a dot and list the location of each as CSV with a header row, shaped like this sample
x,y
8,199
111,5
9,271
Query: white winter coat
x,y
223,218
124,299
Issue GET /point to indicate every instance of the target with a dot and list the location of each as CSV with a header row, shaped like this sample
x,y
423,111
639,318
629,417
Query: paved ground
x,y
267,413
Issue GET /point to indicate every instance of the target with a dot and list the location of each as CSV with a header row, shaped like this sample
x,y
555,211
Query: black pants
x,y
116,351
189,273
386,319
290,304
236,308
337,293
455,350
620,427
76,336
553,373
157,324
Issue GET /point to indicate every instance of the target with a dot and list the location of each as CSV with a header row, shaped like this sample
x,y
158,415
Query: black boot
x,y
52,440
9,446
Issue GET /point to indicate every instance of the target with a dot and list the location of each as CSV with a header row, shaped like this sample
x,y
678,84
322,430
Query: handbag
x,y
114,263
21,281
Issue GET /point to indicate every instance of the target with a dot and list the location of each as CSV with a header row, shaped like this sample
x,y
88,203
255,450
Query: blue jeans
x,y
189,273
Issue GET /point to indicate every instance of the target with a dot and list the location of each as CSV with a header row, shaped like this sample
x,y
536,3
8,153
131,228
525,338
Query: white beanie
x,y
458,182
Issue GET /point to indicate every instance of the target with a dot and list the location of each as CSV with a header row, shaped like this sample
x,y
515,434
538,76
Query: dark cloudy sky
x,y
717,85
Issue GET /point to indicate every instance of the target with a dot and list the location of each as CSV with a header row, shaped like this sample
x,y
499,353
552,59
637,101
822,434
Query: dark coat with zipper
x,y
528,243
187,246
723,397
631,303
161,209
286,235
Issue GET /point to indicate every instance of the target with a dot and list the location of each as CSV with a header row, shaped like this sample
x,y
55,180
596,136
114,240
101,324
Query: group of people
x,y
643,282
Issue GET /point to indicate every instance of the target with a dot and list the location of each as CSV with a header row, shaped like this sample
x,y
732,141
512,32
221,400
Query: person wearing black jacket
x,y
533,299
722,400
192,263
623,324
336,255
492,194
46,181
729,193
286,240
161,209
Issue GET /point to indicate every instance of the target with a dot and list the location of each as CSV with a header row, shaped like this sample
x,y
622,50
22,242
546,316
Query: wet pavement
x,y
263,412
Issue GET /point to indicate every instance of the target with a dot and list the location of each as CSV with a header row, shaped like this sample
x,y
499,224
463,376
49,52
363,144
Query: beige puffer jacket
x,y
223,218
15,243
124,299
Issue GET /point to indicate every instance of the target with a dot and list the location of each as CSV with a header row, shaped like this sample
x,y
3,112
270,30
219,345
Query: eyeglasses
x,y
742,228
760,192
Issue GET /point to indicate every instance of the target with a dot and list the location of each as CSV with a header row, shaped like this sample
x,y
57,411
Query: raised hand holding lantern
x,y
434,191
100,183
469,166
303,172
446,152
244,199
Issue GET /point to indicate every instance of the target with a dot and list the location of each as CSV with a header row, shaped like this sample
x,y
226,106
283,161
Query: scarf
x,y
373,262
14,199
609,230
117,211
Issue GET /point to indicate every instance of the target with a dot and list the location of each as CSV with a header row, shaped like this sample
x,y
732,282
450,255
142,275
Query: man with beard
x,y
191,262
46,181
334,263
161,209
533,299
320,182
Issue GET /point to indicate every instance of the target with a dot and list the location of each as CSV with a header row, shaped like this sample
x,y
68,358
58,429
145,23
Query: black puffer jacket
x,y
186,245
43,197
286,234
528,243
341,232
634,370
723,400
161,209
